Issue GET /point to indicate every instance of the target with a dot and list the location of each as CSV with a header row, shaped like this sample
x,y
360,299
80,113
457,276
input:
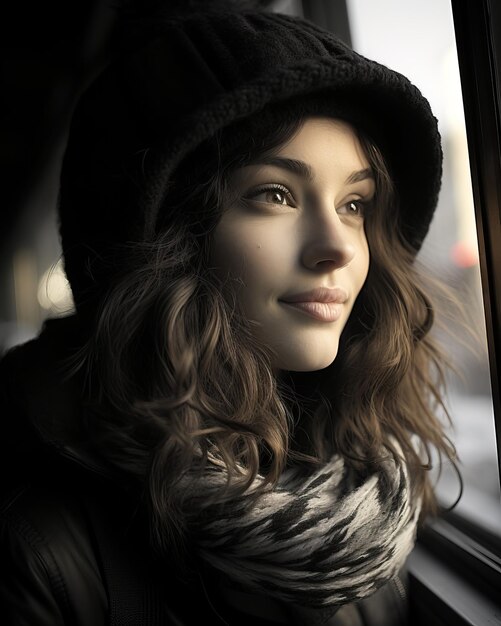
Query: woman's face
x,y
294,239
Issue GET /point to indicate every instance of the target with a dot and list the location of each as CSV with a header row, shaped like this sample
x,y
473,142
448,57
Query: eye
x,y
272,194
357,208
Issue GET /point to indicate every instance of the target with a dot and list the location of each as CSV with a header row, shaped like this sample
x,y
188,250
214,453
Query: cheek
x,y
252,250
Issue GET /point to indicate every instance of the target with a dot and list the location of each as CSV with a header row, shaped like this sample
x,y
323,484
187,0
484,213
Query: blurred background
x,y
49,52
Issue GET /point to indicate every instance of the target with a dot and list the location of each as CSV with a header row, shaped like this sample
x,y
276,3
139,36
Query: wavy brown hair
x,y
176,375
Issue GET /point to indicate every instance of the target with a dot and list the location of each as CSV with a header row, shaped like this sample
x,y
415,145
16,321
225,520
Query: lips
x,y
323,304
321,294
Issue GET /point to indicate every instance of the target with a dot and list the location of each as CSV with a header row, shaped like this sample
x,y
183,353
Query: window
x,y
450,251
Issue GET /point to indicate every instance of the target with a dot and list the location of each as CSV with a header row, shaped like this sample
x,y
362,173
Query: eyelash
x,y
362,205
270,188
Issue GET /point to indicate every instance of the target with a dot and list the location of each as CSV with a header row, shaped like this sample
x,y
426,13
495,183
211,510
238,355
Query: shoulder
x,y
72,532
73,551
49,571
48,567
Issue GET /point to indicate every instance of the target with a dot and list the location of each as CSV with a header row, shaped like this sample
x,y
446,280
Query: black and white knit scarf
x,y
317,541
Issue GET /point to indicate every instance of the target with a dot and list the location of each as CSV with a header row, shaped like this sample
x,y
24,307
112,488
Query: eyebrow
x,y
356,177
300,168
303,170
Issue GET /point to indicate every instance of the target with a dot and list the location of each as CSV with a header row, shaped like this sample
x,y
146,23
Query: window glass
x,y
418,40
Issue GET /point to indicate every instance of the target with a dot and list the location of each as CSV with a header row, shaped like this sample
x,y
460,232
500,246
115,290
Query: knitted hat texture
x,y
180,79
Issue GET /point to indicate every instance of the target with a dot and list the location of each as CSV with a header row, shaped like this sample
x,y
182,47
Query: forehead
x,y
324,138
321,149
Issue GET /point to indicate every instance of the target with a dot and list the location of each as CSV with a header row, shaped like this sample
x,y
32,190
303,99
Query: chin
x,y
307,361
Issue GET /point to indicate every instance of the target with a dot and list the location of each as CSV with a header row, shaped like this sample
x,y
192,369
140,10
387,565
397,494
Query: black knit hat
x,y
181,78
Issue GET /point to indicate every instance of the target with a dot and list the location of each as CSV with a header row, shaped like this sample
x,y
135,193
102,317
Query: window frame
x,y
455,570
477,25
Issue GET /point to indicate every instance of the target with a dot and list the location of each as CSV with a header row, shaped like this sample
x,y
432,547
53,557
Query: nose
x,y
328,244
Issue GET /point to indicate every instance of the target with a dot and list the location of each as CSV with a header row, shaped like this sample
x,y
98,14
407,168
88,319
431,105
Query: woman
x,y
236,424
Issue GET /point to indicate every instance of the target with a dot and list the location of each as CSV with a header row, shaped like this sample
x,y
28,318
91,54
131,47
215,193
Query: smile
x,y
321,311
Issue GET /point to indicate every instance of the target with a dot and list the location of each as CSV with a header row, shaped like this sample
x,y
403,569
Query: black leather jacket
x,y
73,545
